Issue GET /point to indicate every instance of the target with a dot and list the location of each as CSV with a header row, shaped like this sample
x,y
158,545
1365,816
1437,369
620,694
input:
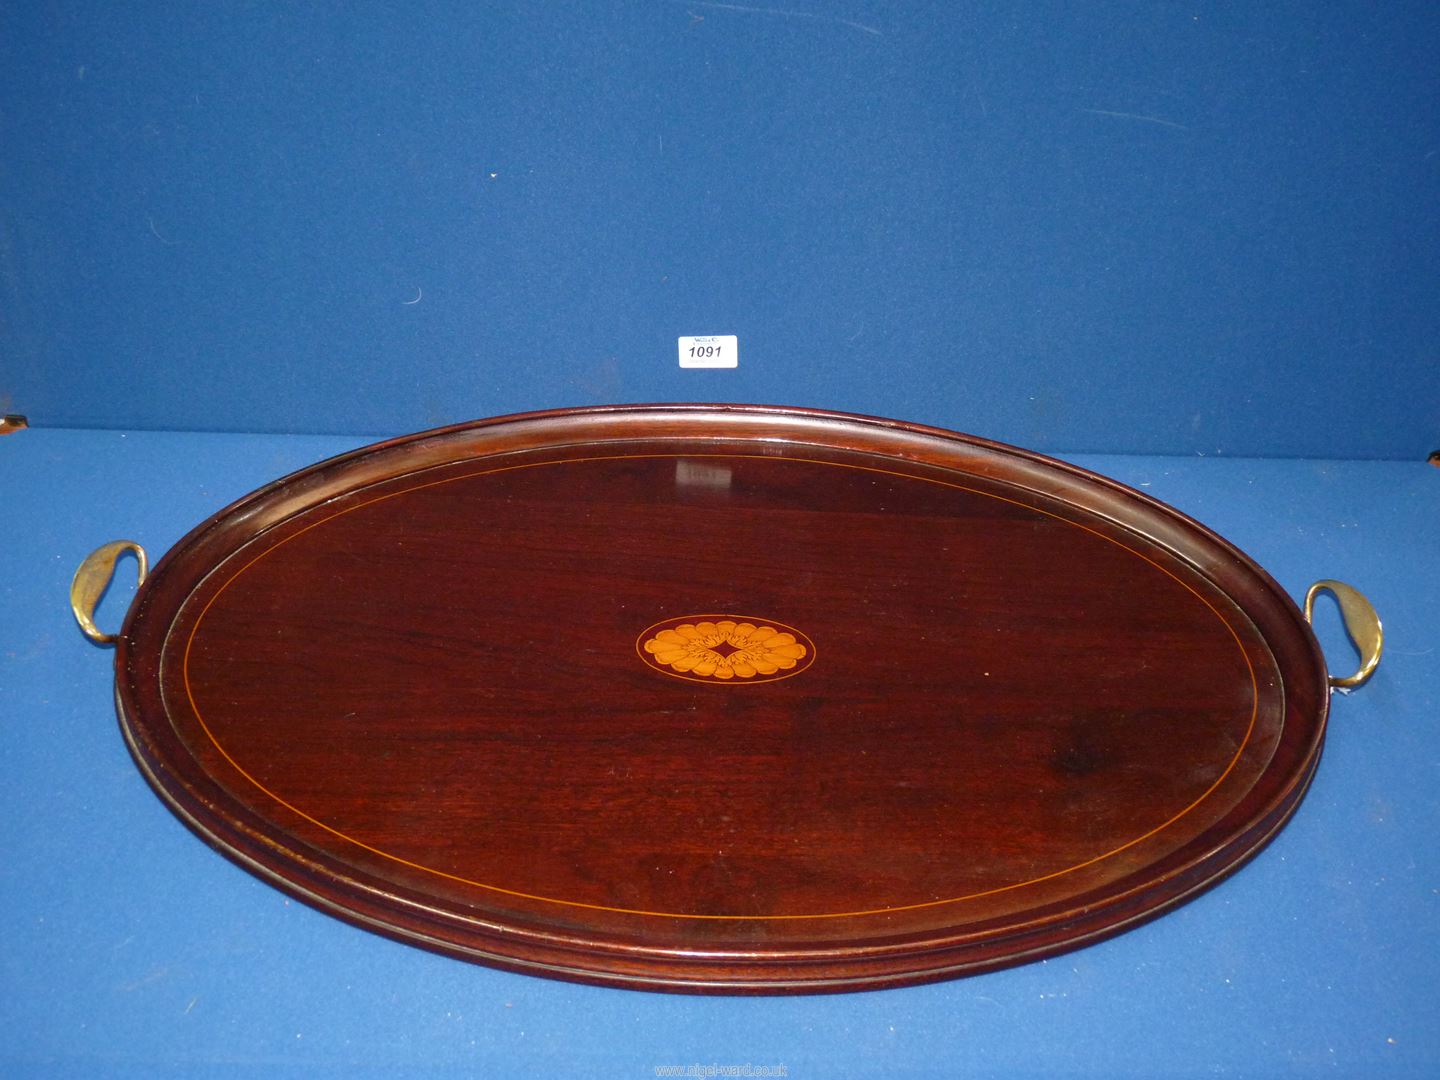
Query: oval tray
x,y
721,698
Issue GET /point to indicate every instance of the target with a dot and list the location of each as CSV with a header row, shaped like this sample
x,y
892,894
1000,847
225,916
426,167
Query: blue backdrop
x,y
1157,228
1128,228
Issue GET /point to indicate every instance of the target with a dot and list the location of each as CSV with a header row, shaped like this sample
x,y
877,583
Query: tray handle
x,y
1361,623
93,578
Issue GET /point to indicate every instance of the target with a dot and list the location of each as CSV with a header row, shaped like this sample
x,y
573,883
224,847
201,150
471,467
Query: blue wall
x,y
1163,228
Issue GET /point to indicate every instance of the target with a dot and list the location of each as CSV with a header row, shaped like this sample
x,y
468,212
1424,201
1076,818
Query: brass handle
x,y
93,578
1361,623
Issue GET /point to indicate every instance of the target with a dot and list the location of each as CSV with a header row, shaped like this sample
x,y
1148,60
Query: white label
x,y
701,474
713,350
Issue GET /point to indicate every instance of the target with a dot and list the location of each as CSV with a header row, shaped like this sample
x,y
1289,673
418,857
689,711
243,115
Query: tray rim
x,y
774,972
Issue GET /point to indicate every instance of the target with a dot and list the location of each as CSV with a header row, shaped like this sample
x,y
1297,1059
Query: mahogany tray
x,y
720,698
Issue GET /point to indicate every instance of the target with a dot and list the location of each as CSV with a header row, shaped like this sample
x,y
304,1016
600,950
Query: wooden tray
x,y
719,698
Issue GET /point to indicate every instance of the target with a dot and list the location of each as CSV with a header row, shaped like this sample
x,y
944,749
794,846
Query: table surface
x,y
132,948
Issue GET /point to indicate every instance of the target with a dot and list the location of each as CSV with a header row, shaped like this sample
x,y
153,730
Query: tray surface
x,y
721,698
